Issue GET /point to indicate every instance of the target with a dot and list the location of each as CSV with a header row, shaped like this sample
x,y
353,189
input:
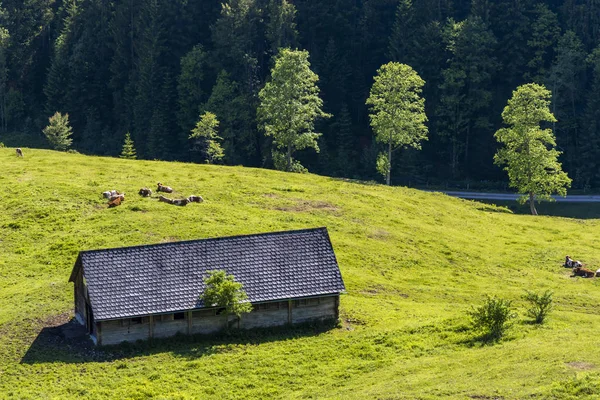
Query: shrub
x,y
493,317
1,145
540,305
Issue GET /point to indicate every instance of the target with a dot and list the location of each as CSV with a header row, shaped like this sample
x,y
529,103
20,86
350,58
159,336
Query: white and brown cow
x,y
162,188
19,152
195,199
145,192
570,263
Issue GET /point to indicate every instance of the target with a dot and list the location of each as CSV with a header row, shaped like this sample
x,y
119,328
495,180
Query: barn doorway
x,y
90,325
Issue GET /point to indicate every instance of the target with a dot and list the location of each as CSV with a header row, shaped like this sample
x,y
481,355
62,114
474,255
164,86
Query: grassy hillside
x,y
413,264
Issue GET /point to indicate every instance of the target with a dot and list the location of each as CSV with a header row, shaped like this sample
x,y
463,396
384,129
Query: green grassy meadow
x,y
413,264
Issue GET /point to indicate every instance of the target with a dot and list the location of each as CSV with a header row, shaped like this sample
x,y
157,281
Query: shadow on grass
x,y
552,209
69,343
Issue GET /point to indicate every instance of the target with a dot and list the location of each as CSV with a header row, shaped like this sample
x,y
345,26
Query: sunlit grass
x,y
413,264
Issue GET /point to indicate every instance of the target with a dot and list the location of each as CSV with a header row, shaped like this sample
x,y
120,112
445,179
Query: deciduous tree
x,y
290,104
58,132
223,291
528,152
397,111
206,136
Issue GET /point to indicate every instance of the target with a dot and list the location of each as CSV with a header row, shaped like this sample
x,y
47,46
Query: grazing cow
x,y
145,192
177,202
165,200
110,193
584,272
598,273
115,202
117,196
195,199
570,263
19,152
165,189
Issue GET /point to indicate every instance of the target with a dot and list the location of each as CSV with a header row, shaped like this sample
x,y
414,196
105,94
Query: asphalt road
x,y
509,197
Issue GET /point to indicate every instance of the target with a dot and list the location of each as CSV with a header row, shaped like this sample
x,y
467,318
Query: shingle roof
x,y
132,281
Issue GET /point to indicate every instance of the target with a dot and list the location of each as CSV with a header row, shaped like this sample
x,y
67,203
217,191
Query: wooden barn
x,y
142,292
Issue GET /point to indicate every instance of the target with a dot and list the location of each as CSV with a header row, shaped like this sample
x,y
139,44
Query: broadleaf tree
x,y
397,111
528,151
222,290
290,104
205,133
58,132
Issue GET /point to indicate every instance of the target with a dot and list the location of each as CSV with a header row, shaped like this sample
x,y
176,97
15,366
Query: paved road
x,y
509,197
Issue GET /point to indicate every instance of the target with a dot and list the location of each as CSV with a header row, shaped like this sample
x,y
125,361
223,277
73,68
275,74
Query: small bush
x,y
493,317
540,305
1,145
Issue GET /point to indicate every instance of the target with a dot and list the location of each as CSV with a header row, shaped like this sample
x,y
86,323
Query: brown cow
x,y
162,188
115,202
195,199
584,272
117,196
145,192
19,152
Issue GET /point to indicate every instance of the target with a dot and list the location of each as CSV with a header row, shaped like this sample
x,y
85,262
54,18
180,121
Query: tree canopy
x,y
397,111
151,67
290,104
528,151
58,132
205,133
223,291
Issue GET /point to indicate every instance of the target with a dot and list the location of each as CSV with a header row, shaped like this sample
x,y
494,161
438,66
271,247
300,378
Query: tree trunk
x,y
288,167
389,166
532,204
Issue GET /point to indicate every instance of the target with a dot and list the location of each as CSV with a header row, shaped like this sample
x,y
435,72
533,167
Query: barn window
x,y
179,315
136,320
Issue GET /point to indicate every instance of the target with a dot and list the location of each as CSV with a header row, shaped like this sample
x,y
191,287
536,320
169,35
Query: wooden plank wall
x,y
205,322
80,310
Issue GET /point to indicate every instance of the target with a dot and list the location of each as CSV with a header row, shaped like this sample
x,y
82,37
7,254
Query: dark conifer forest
x,y
152,67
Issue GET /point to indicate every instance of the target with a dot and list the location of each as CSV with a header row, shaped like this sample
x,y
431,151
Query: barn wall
x,y
80,310
171,327
325,309
206,321
276,315
115,332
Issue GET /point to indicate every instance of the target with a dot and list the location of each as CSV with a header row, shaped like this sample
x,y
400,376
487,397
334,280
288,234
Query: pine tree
x,y
189,87
281,27
465,94
589,157
565,82
128,150
545,34
236,114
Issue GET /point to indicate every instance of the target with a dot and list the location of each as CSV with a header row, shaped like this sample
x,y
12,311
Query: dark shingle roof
x,y
142,280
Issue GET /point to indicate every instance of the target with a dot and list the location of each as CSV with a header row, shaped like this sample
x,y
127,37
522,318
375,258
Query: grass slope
x,y
413,264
